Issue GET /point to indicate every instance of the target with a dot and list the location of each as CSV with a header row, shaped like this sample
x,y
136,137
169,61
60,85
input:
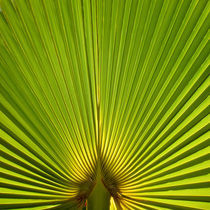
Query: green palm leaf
x,y
104,103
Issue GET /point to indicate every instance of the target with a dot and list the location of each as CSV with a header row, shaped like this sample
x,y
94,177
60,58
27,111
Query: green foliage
x,y
118,85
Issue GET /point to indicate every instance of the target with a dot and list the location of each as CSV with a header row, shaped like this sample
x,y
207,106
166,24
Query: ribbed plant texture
x,y
104,104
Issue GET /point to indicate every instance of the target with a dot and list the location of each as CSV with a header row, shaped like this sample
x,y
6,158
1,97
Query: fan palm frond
x,y
104,104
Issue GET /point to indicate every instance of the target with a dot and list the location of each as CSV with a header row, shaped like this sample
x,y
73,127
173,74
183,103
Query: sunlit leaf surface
x,y
123,83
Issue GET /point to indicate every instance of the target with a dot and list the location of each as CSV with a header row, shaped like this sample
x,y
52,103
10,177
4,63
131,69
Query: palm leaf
x,y
104,99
